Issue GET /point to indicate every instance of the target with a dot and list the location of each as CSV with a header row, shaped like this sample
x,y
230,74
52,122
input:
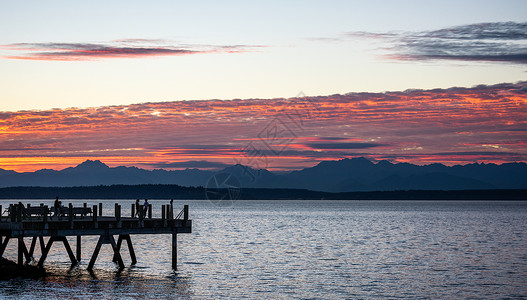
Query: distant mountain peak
x,y
91,165
347,162
384,163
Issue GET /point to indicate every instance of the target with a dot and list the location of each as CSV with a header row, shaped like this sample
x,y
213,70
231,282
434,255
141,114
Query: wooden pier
x,y
38,222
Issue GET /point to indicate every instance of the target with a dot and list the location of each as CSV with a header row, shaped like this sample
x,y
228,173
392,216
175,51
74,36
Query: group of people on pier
x,y
57,207
145,207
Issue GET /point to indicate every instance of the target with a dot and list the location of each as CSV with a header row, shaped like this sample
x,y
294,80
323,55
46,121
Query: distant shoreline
x,y
165,191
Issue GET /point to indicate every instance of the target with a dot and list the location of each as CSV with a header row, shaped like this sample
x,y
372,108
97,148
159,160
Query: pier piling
x,y
174,249
78,244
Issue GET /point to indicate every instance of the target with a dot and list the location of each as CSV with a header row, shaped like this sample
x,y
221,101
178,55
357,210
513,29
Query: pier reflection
x,y
63,282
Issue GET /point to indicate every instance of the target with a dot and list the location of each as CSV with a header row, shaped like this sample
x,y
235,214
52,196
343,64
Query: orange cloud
x,y
456,125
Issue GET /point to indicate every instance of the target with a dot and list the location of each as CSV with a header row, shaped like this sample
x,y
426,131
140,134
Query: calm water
x,y
308,250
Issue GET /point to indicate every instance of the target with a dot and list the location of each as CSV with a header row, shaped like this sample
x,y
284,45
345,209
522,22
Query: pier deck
x,y
20,224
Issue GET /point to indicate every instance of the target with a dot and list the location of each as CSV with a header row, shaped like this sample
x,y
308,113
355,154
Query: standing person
x,y
137,208
56,207
22,210
146,205
171,212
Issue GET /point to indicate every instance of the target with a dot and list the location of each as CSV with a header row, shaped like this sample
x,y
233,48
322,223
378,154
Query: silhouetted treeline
x,y
168,191
149,191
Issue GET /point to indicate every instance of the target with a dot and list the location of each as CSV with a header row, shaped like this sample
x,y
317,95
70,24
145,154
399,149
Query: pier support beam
x,y
32,247
174,249
34,244
22,251
3,245
106,239
78,248
128,240
52,239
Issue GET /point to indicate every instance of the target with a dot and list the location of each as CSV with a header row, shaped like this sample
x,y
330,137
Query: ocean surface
x,y
304,250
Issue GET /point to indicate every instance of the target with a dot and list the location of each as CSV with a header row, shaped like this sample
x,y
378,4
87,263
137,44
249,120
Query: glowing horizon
x,y
449,126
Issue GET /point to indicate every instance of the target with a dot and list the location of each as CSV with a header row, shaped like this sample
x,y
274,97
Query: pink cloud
x,y
131,48
482,123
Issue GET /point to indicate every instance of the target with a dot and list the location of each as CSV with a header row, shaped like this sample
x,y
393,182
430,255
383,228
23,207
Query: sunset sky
x,y
268,84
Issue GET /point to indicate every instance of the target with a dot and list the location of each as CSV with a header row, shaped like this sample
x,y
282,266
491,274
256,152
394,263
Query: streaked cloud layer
x,y
129,48
455,125
489,42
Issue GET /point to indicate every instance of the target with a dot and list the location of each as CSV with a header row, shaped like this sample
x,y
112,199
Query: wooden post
x,y
118,215
79,247
133,210
168,212
174,249
117,208
185,212
100,209
70,215
164,215
150,211
94,214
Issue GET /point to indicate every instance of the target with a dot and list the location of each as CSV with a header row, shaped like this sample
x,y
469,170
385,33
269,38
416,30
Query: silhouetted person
x,y
146,205
22,210
137,212
56,207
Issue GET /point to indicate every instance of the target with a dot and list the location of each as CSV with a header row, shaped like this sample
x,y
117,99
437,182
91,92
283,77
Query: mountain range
x,y
346,175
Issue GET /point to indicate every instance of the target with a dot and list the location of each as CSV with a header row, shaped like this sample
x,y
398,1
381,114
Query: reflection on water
x,y
66,283
310,249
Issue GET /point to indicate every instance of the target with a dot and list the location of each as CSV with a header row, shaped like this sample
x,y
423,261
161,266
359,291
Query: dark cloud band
x,y
328,146
117,49
486,42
